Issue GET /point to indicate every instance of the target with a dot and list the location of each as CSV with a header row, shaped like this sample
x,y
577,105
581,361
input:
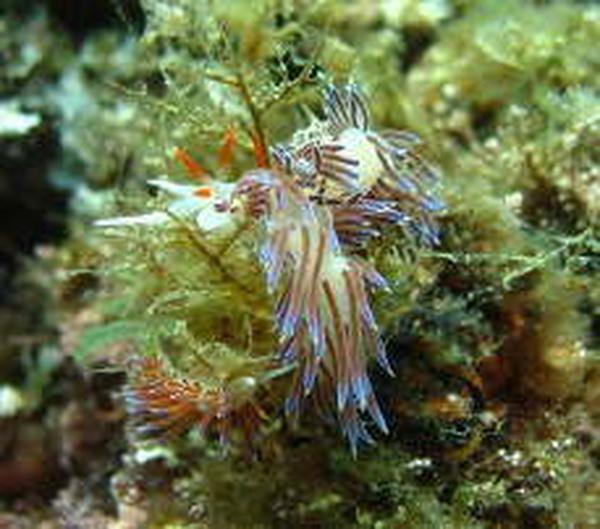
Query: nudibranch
x,y
337,185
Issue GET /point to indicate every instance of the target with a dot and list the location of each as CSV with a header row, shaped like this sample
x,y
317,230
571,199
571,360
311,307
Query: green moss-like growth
x,y
493,335
496,316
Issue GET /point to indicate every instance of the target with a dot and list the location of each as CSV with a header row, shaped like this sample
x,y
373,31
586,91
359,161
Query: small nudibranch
x,y
162,404
344,162
202,204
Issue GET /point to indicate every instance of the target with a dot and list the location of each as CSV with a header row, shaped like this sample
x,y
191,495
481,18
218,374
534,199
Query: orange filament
x,y
226,151
204,192
260,151
192,168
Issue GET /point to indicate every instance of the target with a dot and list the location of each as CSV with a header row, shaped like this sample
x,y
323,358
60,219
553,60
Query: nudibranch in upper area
x,y
368,178
336,186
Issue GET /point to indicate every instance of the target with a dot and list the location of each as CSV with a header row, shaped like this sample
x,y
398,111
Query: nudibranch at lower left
x,y
332,190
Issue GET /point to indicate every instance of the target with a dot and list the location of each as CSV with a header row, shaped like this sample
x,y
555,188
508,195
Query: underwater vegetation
x,y
335,187
311,264
331,190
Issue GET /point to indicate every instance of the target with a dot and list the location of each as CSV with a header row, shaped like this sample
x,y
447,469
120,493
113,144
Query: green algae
x,y
493,334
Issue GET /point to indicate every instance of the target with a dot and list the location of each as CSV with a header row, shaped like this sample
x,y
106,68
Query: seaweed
x,y
491,330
